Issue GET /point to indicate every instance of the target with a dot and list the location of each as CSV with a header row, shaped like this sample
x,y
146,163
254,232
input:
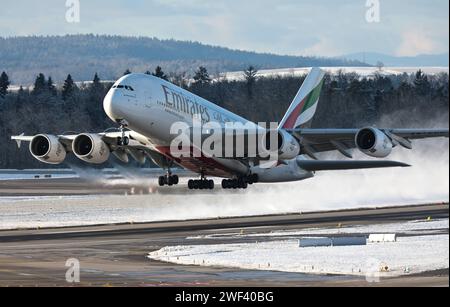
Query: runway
x,y
69,182
115,255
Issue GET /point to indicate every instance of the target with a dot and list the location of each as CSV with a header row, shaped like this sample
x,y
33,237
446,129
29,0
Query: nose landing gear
x,y
123,140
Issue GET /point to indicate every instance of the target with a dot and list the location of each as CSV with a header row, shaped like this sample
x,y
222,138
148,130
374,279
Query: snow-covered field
x,y
409,255
362,71
408,228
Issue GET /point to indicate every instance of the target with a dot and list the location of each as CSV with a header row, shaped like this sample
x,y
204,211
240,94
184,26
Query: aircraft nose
x,y
111,105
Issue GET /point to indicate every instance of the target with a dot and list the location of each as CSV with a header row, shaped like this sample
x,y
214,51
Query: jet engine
x,y
287,146
47,149
91,148
374,142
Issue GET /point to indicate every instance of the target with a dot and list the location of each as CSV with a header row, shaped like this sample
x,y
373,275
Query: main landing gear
x,y
169,180
240,183
202,184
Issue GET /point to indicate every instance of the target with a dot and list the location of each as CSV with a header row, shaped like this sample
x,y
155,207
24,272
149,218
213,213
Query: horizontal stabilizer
x,y
314,166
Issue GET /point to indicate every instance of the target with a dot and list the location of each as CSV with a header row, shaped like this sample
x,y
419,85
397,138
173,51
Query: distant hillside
x,y
440,60
83,55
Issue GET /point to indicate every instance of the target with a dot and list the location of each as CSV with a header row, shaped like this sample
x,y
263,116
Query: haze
x,y
307,27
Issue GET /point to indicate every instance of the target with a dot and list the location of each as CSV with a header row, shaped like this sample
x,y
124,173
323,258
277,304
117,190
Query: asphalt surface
x,y
115,255
63,182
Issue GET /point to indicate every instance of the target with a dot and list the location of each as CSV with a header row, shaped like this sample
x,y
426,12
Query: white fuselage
x,y
150,106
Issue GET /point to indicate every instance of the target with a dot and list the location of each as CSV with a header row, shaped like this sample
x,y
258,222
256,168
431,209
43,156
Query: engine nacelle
x,y
91,148
287,146
48,149
373,142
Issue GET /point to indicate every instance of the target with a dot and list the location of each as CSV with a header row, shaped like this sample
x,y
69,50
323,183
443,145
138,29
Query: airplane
x,y
146,108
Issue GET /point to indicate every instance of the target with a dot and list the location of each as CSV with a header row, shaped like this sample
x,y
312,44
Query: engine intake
x,y
374,143
287,147
48,149
91,148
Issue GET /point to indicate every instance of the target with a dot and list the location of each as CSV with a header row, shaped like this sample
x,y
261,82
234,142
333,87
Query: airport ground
x,y
115,255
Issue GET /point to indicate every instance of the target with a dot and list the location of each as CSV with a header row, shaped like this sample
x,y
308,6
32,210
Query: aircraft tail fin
x,y
304,106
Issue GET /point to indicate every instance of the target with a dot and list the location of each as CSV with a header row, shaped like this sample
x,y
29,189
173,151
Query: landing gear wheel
x,y
196,184
243,185
254,178
191,184
224,184
162,181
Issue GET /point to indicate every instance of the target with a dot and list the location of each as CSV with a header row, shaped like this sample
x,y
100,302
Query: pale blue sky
x,y
298,27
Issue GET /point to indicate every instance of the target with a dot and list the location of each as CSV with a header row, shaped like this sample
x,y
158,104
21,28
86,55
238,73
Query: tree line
x,y
83,55
347,101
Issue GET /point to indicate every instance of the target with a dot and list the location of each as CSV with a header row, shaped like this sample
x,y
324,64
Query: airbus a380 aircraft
x,y
147,108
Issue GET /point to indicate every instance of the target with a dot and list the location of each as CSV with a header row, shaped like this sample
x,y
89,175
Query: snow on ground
x,y
29,176
362,71
409,228
409,255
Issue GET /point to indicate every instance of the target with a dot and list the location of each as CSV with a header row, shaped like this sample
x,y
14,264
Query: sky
x,y
294,27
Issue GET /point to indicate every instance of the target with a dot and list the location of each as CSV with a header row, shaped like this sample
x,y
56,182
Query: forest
x,y
347,101
84,55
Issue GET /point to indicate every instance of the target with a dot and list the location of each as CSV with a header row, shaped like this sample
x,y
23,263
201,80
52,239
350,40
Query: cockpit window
x,y
127,87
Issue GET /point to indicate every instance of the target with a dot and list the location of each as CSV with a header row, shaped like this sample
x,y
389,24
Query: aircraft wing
x,y
322,140
138,147
315,166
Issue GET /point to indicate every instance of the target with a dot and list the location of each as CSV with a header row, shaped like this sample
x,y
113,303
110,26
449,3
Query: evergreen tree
x,y
4,84
51,86
160,73
40,85
96,86
20,99
68,88
250,78
96,93
202,76
421,83
127,72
